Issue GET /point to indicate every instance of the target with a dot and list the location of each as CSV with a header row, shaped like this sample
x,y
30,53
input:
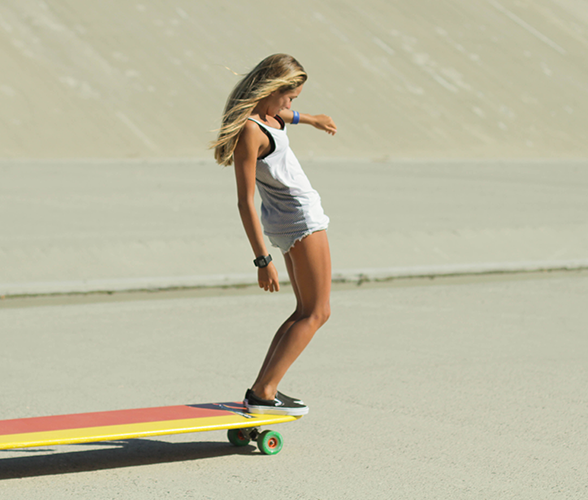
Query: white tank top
x,y
289,203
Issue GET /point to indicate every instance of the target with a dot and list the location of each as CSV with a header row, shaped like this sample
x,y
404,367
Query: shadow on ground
x,y
127,453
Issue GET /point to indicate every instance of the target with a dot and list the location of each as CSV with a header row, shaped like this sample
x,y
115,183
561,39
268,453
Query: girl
x,y
253,136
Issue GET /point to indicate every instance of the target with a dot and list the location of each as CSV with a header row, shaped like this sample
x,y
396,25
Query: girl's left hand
x,y
326,123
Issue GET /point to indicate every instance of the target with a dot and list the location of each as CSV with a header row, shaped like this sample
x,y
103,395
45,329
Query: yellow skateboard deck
x,y
242,427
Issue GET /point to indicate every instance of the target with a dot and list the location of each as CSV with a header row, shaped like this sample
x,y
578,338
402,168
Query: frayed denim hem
x,y
285,242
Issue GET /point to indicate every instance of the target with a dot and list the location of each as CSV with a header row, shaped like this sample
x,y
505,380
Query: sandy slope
x,y
430,78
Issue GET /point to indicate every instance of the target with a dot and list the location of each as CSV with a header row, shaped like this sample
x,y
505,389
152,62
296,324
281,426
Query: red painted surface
x,y
117,417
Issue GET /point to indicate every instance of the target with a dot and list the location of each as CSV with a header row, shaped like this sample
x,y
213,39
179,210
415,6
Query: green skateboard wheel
x,y
237,437
270,442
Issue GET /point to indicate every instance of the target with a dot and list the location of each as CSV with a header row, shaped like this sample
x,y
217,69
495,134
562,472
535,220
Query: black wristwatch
x,y
263,261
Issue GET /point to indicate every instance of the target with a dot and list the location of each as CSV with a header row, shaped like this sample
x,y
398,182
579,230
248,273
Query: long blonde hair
x,y
278,72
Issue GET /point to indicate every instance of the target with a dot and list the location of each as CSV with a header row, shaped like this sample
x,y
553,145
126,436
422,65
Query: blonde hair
x,y
278,72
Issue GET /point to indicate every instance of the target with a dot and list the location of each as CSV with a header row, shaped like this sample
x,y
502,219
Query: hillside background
x,y
421,79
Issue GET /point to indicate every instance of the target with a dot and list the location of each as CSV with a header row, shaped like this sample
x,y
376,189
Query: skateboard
x,y
242,427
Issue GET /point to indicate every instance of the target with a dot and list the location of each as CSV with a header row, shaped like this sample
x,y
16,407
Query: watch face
x,y
263,261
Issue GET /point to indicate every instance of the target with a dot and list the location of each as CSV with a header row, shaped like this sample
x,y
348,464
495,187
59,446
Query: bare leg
x,y
309,267
285,326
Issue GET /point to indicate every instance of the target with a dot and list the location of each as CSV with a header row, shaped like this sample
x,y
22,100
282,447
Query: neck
x,y
261,110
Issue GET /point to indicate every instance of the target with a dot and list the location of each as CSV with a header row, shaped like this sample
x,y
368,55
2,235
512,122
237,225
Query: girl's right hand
x,y
267,277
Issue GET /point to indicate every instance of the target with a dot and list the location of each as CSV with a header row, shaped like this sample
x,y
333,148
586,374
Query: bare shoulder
x,y
251,141
251,129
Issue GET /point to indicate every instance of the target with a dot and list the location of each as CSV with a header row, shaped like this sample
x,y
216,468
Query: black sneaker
x,y
280,405
293,400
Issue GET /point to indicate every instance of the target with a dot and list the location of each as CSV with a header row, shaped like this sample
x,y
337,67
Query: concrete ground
x,y
461,150
116,225
451,388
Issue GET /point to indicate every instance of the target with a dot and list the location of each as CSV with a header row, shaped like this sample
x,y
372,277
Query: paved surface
x,y
446,389
82,226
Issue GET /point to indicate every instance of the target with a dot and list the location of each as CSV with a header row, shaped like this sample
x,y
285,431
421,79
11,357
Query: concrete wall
x,y
420,79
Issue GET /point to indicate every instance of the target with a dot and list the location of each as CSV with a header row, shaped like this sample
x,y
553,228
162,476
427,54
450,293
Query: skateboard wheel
x,y
237,437
270,442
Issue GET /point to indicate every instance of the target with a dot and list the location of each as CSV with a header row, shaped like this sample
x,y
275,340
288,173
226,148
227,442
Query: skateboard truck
x,y
268,442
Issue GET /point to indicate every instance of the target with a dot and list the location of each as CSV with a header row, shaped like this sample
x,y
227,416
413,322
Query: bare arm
x,y
248,147
322,122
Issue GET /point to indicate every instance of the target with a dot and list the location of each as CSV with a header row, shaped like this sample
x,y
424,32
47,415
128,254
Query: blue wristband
x,y
295,118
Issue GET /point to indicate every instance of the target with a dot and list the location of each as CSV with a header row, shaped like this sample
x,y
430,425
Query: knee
x,y
321,315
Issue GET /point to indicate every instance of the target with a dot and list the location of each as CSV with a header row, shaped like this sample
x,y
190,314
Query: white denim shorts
x,y
285,242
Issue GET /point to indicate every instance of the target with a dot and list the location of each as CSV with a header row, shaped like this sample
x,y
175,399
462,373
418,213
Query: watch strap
x,y
263,261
